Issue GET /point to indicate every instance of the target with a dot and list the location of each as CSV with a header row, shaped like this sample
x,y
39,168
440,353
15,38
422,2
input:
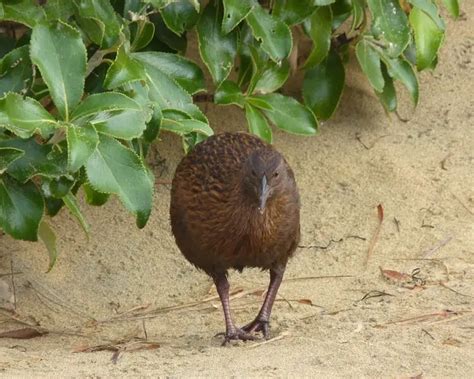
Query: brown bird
x,y
235,204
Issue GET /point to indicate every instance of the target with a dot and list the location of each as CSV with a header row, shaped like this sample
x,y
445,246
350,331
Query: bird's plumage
x,y
215,215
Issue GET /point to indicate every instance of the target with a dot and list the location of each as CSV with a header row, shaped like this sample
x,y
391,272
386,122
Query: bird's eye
x,y
254,173
275,174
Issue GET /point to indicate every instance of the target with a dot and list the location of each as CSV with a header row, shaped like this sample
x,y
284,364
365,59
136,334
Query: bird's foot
x,y
235,335
258,325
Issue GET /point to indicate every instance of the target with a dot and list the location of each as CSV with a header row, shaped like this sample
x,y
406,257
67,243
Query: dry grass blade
x,y
375,237
317,277
443,315
277,338
119,347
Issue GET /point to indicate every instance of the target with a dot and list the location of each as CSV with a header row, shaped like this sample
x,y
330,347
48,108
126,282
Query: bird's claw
x,y
235,335
258,325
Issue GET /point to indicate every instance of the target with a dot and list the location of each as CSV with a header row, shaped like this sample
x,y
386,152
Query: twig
x,y
427,333
445,314
322,247
317,277
443,162
442,284
374,293
277,338
433,250
57,301
375,237
397,224
144,330
463,205
13,284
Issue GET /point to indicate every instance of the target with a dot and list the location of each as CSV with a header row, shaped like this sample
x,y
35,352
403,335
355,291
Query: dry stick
x,y
463,205
281,336
442,284
433,250
55,299
446,314
13,284
375,237
317,277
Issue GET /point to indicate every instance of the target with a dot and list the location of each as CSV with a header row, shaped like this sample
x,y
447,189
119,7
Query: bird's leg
x,y
261,322
231,331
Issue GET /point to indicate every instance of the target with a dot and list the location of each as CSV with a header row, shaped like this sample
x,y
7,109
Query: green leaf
x,y
229,93
320,33
94,197
273,77
9,155
293,11
113,168
56,188
103,15
184,71
153,126
257,123
21,208
358,14
25,116
58,9
388,96
323,85
323,2
179,16
390,25
15,71
369,61
273,33
124,125
288,114
144,32
71,202
38,159
234,12
168,94
158,4
112,113
217,49
47,235
428,38
259,103
341,11
82,142
186,126
125,69
430,8
401,70
60,55
165,39
25,12
453,7
103,105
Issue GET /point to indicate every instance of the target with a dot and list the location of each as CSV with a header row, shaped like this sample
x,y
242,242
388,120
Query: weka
x,y
235,204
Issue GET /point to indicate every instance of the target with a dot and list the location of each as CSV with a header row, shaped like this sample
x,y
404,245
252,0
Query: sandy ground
x,y
334,317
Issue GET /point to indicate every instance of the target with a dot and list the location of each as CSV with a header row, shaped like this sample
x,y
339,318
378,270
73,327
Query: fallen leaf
x,y
23,334
452,342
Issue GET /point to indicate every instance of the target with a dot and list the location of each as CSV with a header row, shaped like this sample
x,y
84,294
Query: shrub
x,y
86,86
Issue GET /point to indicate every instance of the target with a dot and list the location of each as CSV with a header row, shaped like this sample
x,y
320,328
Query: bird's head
x,y
265,176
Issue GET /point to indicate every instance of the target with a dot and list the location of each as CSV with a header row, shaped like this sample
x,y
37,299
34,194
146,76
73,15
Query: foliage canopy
x,y
86,86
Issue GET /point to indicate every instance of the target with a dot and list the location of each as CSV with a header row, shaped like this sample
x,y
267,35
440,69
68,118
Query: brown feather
x,y
216,223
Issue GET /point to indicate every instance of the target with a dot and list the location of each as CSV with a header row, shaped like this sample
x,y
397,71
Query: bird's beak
x,y
263,194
